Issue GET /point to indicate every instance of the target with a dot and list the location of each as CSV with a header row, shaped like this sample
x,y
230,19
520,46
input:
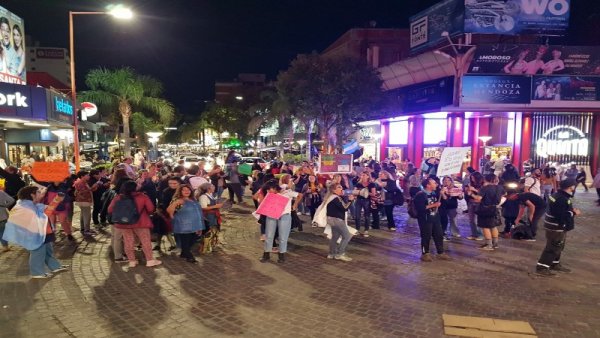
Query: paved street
x,y
385,292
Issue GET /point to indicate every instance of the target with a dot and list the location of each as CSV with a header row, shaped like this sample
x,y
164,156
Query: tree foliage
x,y
124,92
334,92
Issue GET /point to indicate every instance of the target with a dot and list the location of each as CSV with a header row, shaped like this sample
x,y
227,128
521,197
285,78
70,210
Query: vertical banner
x,y
12,51
452,160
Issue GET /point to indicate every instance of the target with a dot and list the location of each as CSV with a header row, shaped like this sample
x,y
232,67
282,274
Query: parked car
x,y
250,160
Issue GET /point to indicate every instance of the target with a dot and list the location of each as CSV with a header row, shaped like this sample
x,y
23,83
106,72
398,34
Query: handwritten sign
x,y
452,160
50,171
335,163
245,169
273,205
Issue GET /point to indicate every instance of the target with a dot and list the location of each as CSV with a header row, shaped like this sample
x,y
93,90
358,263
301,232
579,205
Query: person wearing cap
x,y
560,218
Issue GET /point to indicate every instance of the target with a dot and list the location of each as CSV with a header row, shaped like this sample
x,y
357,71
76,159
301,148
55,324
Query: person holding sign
x,y
283,223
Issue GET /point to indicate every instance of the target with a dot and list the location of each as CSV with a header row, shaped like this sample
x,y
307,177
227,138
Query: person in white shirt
x,y
533,184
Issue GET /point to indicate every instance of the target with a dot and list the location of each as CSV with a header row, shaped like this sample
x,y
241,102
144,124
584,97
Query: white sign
x,y
13,100
562,140
418,32
452,160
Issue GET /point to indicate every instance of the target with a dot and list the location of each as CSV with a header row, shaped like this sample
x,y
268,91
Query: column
x,y
526,139
384,140
456,125
595,165
415,140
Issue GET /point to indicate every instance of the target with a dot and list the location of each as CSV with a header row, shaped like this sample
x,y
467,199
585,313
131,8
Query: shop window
x,y
435,131
398,132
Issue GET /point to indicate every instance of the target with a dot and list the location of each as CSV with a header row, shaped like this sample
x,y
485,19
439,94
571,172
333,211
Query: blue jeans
x,y
338,229
363,205
284,224
2,225
475,231
42,257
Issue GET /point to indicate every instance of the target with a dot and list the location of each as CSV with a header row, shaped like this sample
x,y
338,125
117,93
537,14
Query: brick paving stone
x,y
385,292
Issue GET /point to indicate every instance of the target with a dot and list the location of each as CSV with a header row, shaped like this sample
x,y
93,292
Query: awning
x,y
423,67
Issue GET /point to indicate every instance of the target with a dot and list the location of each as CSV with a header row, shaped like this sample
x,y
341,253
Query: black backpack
x,y
412,210
125,211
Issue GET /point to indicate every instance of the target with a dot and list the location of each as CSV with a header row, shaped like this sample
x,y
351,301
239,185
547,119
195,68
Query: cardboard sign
x,y
335,163
451,161
245,169
50,171
273,205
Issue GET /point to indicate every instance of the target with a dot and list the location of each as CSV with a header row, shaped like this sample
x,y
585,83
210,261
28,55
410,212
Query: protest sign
x,y
273,205
335,163
452,160
245,169
50,171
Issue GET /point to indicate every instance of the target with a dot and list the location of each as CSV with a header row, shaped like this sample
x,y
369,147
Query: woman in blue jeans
x,y
28,226
363,190
336,218
283,224
187,220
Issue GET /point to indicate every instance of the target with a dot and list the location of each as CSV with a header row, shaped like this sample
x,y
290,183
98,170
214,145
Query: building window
x,y
435,131
398,132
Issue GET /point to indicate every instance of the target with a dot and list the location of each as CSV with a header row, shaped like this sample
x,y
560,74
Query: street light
x,y
118,12
153,138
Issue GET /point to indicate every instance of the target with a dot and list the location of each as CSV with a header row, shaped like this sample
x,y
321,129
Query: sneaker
x,y
444,256
71,238
330,256
495,246
392,229
153,262
456,235
426,257
121,260
365,234
446,239
486,247
44,276
530,240
191,260
479,238
89,233
343,257
559,268
61,269
472,238
133,264
544,272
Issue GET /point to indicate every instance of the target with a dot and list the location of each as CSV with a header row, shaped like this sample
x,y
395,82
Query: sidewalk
x,y
385,292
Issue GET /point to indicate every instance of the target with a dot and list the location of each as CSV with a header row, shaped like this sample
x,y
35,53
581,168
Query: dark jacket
x,y
559,214
421,201
13,182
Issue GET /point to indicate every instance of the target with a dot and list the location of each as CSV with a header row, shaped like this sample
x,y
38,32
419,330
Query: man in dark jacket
x,y
427,204
13,182
560,218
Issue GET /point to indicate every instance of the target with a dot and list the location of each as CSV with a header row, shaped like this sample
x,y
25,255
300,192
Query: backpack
x,y
397,197
412,209
125,211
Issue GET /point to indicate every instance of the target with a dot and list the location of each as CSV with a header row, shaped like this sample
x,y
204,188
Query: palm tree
x,y
123,91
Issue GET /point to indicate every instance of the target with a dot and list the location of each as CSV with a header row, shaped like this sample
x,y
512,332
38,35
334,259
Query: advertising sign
x,y
50,53
511,17
496,89
13,56
536,59
22,101
335,163
427,26
566,88
60,107
562,140
452,160
430,95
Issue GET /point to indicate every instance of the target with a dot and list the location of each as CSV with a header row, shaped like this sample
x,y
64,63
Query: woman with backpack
x,y
130,212
187,220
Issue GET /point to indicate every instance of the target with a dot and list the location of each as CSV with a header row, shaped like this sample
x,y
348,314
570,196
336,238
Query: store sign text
x,y
563,140
63,106
13,100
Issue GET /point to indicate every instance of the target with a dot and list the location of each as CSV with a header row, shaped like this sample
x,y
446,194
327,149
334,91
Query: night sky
x,y
188,45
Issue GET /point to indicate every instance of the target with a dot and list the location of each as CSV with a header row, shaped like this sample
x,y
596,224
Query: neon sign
x,y
562,140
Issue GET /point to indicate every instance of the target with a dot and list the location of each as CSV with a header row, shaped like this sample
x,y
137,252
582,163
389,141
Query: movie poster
x,y
12,52
565,88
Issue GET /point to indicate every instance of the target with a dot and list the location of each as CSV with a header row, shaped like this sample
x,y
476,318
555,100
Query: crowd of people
x,y
179,209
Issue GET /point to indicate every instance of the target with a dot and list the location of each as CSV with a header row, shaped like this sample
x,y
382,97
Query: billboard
x,y
12,53
427,26
566,88
18,101
503,89
430,95
536,59
511,17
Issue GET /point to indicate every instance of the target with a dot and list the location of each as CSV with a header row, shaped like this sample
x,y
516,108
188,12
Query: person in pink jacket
x,y
141,228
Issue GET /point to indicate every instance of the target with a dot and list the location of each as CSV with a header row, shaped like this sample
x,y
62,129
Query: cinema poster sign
x,y
562,140
501,89
566,88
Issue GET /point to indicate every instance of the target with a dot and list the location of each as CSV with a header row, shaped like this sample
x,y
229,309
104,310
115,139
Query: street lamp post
x,y
118,12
